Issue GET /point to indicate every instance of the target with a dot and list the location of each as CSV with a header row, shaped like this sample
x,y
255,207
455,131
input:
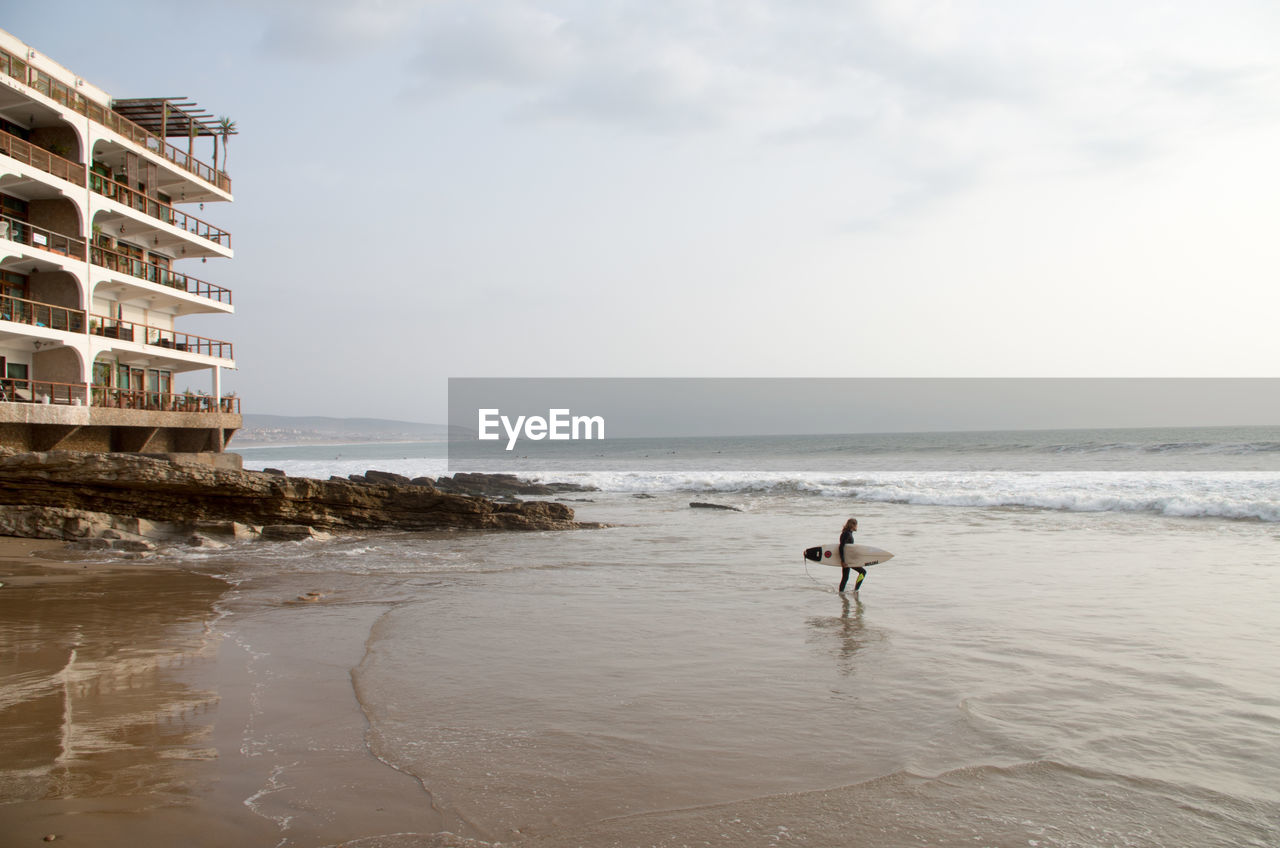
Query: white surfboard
x,y
854,555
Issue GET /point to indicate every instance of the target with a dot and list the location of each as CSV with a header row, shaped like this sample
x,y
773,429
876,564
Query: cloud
x,y
772,68
781,68
929,89
618,64
332,32
921,186
493,44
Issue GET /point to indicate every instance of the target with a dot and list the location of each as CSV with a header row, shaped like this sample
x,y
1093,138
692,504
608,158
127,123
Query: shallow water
x,y
1014,676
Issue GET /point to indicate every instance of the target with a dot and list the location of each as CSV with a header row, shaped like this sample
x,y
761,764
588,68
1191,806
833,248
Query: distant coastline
x,y
320,440
318,431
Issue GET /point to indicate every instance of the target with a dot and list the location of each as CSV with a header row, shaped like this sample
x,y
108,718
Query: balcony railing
x,y
74,100
37,157
162,401
152,273
121,193
37,314
74,394
24,233
32,236
42,391
132,331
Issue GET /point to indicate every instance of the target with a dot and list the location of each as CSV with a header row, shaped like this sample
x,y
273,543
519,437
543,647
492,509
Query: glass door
x,y
134,265
158,268
101,383
159,387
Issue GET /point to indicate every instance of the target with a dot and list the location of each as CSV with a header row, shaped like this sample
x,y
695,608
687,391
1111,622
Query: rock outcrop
x,y
193,497
91,530
464,483
494,485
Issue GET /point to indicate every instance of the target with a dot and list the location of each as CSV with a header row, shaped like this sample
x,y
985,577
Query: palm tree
x,y
226,129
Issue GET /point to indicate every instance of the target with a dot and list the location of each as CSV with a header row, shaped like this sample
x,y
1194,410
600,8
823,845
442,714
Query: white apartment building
x,y
102,235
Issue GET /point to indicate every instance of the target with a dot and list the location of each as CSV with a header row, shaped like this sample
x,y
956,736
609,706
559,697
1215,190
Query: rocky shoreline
x,y
129,502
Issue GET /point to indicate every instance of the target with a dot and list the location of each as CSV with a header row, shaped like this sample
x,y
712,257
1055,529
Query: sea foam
x,y
1235,495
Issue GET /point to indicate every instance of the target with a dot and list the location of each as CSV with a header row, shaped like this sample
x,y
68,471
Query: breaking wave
x,y
1233,495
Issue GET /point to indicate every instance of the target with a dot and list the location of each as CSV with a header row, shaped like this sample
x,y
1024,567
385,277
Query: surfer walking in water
x,y
846,538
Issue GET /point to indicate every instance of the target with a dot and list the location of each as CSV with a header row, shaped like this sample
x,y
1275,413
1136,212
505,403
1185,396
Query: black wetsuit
x,y
846,538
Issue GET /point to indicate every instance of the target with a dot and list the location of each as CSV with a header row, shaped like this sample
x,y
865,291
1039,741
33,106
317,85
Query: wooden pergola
x,y
172,117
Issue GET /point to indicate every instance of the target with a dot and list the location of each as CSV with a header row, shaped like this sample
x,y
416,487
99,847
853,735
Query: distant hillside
x,y
294,429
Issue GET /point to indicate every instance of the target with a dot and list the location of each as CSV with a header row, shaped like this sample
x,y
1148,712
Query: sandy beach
x,y
1051,659
124,714
608,688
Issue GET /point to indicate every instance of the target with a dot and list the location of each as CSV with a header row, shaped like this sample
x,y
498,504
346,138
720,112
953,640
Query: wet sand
x,y
976,696
123,714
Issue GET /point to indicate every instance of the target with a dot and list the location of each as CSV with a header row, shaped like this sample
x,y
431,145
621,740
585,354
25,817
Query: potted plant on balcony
x,y
228,402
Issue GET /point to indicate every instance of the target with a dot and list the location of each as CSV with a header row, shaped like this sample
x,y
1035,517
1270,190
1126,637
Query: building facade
x,y
102,230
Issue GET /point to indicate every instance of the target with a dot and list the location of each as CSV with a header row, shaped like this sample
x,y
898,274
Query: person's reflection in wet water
x,y
852,635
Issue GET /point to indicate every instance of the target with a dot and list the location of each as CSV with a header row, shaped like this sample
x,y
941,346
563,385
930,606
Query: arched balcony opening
x,y
59,216
39,295
40,139
37,364
38,215
62,140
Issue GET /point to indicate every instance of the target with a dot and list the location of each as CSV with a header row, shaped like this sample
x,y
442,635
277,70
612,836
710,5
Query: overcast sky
x,y
759,188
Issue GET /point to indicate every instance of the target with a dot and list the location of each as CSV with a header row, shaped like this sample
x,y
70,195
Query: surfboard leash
x,y
806,570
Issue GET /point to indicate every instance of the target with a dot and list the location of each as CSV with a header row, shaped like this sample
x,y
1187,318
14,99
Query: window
x,y
16,381
13,285
14,213
159,381
99,174
158,268
133,265
13,129
159,387
13,207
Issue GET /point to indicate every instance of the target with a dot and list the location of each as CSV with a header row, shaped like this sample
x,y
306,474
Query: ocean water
x,y
1074,646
